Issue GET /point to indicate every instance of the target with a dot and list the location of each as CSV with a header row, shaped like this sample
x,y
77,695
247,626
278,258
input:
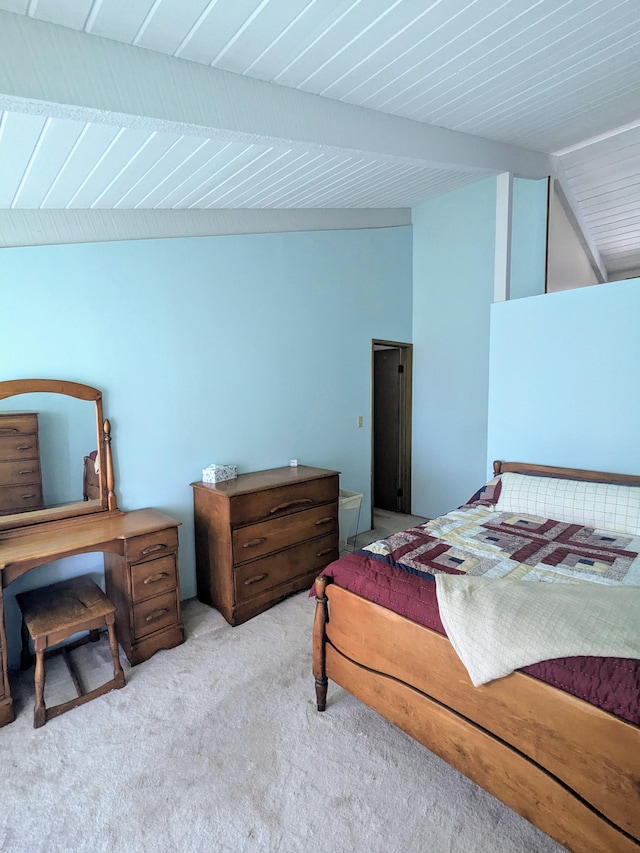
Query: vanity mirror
x,y
55,453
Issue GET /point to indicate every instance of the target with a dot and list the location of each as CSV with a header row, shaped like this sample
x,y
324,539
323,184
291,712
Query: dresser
x,y
263,536
20,476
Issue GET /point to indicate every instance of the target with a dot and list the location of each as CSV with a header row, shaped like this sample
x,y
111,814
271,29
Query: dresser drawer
x,y
21,424
268,536
155,614
153,577
253,578
152,545
19,471
274,503
18,447
19,498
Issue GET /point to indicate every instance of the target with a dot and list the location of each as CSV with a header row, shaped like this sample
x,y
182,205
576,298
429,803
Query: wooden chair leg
x,y
39,710
26,658
118,672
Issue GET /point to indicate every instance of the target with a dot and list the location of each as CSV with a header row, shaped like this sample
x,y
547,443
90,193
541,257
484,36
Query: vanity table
x,y
140,547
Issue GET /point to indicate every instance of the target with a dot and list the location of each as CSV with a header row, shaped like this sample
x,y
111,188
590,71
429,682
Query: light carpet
x,y
217,746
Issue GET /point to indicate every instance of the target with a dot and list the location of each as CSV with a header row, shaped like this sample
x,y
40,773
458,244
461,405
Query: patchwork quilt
x,y
478,540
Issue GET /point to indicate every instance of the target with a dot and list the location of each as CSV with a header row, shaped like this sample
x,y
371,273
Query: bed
x,y
534,738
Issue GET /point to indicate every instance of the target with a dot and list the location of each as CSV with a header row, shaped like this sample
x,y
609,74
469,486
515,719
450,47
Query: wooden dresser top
x,y
260,480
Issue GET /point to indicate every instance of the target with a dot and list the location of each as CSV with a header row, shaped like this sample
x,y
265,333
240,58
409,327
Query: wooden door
x,y
391,427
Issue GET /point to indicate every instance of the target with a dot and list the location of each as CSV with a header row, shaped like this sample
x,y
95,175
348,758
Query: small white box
x,y
219,473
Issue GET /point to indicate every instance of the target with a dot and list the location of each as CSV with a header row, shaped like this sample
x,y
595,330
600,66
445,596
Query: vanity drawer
x,y
155,614
21,424
268,536
253,578
17,446
152,545
153,577
19,471
19,498
274,503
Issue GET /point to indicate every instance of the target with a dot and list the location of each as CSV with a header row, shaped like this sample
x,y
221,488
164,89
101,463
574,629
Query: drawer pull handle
x,y
324,553
23,447
27,497
26,471
157,577
160,546
255,579
9,429
253,543
289,504
157,614
326,520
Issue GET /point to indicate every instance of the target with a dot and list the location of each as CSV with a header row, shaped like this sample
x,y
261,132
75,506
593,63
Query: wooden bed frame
x,y
568,767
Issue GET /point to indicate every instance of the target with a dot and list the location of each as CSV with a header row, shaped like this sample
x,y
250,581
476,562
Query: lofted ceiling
x,y
123,118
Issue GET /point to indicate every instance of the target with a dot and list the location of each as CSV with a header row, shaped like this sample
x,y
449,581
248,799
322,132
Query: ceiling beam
x,y
55,71
49,227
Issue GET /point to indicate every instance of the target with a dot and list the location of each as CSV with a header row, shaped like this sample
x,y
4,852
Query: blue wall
x,y
248,350
453,261
564,387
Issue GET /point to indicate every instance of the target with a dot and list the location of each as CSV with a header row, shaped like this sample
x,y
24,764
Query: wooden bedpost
x,y
319,641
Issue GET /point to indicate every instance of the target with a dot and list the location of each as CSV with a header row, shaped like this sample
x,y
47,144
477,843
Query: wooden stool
x,y
51,615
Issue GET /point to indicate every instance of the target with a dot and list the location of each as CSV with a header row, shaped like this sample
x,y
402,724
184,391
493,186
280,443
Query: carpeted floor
x,y
217,746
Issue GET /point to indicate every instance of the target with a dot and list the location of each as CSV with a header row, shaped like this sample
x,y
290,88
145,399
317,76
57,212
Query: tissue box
x,y
218,473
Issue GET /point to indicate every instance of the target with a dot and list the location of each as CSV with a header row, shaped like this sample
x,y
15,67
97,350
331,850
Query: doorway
x,y
391,425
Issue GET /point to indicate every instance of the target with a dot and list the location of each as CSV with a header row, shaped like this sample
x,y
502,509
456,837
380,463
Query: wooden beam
x,y
56,71
49,227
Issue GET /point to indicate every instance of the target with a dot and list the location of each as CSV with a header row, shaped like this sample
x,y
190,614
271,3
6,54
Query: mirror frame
x,y
78,509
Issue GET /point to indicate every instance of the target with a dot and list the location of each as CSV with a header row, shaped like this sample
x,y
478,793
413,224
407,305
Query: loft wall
x,y
563,379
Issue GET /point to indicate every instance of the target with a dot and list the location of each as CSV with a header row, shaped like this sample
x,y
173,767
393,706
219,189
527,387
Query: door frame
x,y
406,359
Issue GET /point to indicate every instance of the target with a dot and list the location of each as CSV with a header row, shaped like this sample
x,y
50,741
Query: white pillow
x,y
601,505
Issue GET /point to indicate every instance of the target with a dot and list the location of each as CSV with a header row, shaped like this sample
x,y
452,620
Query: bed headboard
x,y
500,467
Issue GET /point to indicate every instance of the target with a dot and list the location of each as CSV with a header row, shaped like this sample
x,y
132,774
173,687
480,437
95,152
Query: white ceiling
x,y
153,117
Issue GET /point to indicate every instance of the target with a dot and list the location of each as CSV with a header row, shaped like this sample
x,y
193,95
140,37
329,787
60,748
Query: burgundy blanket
x,y
612,684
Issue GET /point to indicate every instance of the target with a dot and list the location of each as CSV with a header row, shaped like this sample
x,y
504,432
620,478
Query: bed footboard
x,y
569,768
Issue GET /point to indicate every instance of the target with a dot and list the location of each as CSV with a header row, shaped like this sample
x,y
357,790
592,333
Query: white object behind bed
x,y
603,505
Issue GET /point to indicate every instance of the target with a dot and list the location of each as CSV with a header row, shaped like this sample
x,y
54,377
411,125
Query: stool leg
x,y
26,658
94,634
118,672
39,710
